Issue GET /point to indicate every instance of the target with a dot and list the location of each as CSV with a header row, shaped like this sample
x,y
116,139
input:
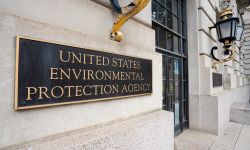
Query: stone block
x,y
147,131
211,113
247,61
247,56
208,8
205,43
240,112
229,81
194,111
73,29
84,16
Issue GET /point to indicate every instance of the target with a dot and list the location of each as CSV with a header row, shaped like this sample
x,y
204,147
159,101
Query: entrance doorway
x,y
169,23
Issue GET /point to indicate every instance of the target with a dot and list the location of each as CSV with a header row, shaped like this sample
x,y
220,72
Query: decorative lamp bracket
x,y
125,13
227,52
228,31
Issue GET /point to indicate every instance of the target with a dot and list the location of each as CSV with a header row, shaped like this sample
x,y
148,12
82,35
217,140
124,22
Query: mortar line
x,y
238,136
211,145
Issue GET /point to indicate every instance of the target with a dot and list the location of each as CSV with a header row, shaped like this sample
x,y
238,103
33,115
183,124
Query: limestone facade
x,y
86,24
208,107
246,44
128,123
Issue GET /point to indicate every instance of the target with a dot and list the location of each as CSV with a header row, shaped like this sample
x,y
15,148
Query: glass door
x,y
173,97
169,23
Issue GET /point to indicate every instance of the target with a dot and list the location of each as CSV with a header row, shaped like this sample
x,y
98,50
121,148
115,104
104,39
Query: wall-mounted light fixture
x,y
228,31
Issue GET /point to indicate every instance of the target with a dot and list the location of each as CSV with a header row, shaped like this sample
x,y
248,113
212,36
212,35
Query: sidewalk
x,y
236,137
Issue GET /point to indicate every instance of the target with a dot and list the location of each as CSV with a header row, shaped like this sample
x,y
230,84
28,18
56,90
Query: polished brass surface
x,y
220,61
64,103
226,13
16,73
127,13
227,44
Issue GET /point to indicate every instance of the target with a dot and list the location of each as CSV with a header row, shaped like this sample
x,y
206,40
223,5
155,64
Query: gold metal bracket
x,y
226,13
220,61
126,13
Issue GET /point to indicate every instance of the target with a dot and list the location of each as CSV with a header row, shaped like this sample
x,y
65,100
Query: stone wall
x,y
86,24
145,132
200,15
246,43
216,108
208,105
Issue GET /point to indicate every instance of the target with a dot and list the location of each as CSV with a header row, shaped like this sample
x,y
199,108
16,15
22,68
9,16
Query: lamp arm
x,y
212,53
125,13
211,27
219,61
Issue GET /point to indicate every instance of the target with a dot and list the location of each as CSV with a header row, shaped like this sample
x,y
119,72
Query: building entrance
x,y
169,23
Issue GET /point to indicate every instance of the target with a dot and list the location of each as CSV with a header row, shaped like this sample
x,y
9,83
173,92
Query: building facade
x,y
245,41
174,34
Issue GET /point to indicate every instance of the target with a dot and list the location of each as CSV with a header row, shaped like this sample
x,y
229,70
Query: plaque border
x,y
16,107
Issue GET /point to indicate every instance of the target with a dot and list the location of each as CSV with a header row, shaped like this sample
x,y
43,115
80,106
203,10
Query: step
x,y
240,112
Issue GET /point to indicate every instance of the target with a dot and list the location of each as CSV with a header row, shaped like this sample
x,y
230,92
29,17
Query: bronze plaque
x,y
49,74
217,79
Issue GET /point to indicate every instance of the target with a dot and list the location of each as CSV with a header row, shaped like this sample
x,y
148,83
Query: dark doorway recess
x,y
169,23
